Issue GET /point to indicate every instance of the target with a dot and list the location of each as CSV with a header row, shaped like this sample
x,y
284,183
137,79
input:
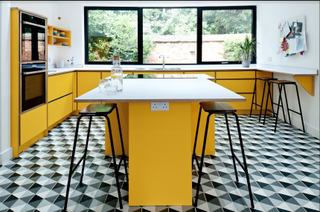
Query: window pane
x,y
220,30
171,32
113,31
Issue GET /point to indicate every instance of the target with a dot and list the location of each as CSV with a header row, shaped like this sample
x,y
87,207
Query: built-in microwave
x,y
33,38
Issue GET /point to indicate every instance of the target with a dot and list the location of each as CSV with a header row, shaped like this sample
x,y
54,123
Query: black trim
x,y
140,32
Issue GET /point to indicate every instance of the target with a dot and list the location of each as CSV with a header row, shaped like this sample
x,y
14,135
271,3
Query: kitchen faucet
x,y
162,61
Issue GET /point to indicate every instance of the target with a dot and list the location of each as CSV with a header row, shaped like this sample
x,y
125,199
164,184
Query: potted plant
x,y
245,49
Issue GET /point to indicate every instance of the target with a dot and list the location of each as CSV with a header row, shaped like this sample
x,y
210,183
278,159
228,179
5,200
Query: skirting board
x,y
5,156
315,132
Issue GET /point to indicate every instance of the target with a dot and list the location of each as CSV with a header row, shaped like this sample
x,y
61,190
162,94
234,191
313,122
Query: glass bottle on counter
x,y
117,73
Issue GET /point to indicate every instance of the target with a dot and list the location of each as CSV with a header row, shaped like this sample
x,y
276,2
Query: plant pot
x,y
245,63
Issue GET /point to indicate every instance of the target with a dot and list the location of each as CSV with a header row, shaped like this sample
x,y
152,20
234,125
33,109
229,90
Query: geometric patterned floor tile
x,y
284,172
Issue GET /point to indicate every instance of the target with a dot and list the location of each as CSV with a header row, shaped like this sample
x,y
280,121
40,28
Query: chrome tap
x,y
162,61
71,61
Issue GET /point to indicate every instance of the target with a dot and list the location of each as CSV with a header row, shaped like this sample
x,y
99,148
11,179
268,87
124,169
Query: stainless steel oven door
x,y
33,86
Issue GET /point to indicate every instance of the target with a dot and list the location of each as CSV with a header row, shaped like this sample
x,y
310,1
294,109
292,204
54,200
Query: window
x,y
204,35
171,32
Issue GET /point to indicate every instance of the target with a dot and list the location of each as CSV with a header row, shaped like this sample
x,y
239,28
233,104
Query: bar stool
x,y
266,80
97,110
282,84
220,108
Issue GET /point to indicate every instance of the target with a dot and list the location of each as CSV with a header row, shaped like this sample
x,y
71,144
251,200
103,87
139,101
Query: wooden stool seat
x,y
283,82
266,78
96,109
217,107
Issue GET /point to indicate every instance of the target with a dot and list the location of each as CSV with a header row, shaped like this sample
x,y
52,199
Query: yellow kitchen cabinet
x,y
59,109
243,106
238,86
33,126
105,74
235,74
86,82
240,82
146,72
53,39
60,85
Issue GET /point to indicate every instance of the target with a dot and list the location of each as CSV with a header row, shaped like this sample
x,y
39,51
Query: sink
x,y
158,69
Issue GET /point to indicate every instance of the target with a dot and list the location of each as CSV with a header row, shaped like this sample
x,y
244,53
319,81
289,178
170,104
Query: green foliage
x,y
231,48
114,32
226,22
164,21
246,48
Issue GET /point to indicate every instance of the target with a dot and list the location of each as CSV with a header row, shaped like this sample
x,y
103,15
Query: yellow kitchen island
x,y
159,143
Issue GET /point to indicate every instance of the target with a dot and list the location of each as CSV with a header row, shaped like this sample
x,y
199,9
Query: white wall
x,y
5,149
268,15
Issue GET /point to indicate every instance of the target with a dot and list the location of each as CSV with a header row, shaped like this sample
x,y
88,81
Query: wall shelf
x,y
52,39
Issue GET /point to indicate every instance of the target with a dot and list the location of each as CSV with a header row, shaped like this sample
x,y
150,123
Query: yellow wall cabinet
x,y
54,39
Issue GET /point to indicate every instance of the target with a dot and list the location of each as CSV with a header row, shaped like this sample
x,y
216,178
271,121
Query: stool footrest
x,y
294,111
121,159
239,162
76,166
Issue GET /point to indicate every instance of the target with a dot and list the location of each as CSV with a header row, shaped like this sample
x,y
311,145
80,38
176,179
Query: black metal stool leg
x,y
71,164
253,95
265,110
277,114
85,150
282,105
264,87
122,146
231,147
245,168
271,99
285,96
114,161
202,158
195,140
300,108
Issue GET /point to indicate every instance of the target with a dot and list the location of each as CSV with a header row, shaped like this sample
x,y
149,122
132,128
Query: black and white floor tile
x,y
283,167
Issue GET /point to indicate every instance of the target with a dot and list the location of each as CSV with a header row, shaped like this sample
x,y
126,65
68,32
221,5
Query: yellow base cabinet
x,y
167,155
59,109
60,85
86,82
33,123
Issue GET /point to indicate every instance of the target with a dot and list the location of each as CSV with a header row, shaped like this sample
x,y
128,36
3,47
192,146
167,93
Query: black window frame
x,y
140,33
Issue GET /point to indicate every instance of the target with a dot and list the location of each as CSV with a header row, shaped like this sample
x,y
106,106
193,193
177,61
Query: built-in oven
x,y
33,85
33,38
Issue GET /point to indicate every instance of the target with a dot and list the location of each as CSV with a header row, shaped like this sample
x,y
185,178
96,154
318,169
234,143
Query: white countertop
x,y
165,90
295,71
